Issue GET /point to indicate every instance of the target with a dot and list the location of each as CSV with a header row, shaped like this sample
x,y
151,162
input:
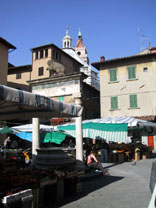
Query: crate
x,y
121,157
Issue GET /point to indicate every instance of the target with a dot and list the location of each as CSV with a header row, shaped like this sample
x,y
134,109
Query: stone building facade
x,y
4,49
128,86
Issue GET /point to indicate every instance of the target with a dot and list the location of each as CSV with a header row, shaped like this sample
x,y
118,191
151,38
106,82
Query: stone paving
x,y
126,187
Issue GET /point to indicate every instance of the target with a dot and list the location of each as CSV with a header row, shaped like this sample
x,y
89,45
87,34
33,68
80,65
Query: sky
x,y
110,28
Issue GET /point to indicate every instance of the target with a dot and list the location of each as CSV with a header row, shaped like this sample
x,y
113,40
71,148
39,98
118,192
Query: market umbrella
x,y
56,137
6,130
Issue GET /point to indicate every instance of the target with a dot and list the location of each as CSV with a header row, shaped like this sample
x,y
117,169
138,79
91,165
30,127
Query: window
x,y
61,98
56,55
145,69
40,71
53,53
131,72
46,52
41,53
36,53
59,56
133,101
114,103
113,75
18,76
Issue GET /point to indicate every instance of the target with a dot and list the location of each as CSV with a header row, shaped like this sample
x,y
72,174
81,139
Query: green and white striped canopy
x,y
110,132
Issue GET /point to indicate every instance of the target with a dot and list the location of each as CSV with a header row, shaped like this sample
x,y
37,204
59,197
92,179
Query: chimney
x,y
102,58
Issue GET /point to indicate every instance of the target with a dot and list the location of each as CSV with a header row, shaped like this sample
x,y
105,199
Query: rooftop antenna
x,y
142,39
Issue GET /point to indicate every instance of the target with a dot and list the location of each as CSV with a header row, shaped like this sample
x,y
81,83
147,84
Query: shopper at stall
x,y
14,144
7,142
104,151
92,162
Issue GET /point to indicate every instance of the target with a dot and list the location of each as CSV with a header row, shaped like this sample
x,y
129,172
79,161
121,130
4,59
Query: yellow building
x,y
128,86
4,49
19,76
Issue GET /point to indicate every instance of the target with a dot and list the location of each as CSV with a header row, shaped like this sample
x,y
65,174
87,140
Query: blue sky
x,y
110,28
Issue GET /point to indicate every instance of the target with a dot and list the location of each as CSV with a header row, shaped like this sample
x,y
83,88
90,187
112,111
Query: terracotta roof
x,y
23,68
6,43
79,44
119,60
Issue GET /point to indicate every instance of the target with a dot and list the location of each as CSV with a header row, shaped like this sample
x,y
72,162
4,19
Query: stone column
x,y
79,135
35,138
79,139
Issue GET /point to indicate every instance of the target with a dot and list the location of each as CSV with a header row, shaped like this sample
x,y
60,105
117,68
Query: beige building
x,y
4,50
49,60
67,89
19,76
57,74
128,86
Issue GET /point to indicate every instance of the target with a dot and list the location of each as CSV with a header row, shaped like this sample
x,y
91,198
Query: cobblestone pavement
x,y
126,187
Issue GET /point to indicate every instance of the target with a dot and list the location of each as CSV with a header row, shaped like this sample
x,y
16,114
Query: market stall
x,y
124,134
18,104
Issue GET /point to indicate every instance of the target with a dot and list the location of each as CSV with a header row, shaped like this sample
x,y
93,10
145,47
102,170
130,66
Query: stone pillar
x,y
79,135
35,138
79,139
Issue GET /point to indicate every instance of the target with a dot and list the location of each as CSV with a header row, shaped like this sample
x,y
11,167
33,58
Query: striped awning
x,y
110,132
29,128
109,128
18,104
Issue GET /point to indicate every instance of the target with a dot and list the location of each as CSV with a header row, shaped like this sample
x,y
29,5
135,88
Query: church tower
x,y
67,40
80,48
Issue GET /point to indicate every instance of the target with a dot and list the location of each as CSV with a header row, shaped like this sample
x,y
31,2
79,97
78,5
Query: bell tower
x,y
67,40
81,49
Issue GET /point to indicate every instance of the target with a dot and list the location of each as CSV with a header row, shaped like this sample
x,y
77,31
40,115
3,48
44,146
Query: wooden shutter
x,y
131,72
61,98
113,76
133,101
114,103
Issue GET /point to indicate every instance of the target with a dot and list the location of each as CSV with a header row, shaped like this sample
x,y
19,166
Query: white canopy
x,y
18,104
110,128
132,122
29,128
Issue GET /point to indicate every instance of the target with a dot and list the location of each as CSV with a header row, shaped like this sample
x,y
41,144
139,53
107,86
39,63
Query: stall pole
x,y
79,142
79,136
35,138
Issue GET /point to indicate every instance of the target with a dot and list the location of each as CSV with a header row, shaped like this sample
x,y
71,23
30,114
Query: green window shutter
x,y
133,101
114,103
131,72
113,75
61,98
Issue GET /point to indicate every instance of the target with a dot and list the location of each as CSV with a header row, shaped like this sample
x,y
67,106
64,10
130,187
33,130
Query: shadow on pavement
x,y
153,155
90,185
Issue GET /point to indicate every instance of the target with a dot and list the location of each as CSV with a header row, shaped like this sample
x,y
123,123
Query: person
x,y
7,142
94,163
104,151
14,144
